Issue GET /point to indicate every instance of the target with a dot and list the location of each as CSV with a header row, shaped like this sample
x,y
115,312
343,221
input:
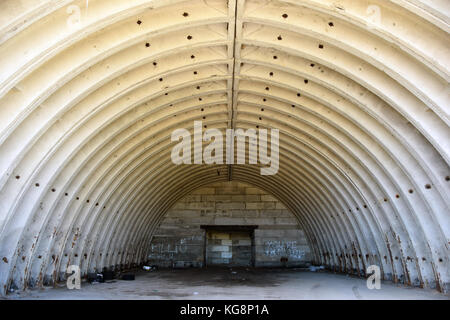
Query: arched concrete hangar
x,y
91,92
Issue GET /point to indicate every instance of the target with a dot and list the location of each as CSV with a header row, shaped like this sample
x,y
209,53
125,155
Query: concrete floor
x,y
233,284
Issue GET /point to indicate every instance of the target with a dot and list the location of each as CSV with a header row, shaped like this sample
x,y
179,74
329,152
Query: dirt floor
x,y
233,284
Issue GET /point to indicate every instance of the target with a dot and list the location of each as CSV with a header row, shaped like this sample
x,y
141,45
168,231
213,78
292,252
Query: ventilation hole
x,y
192,57
195,72
37,184
385,200
397,196
147,44
331,24
423,259
275,57
96,204
260,118
293,106
262,109
279,38
357,209
410,190
139,22
306,81
204,118
320,46
160,79
264,99
202,109
189,37
76,255
257,127
78,198
200,99
284,15
267,88
271,74
447,178
396,258
155,63
312,65
185,14
104,207
299,94
39,257
428,186
440,260
87,201
365,206
53,190
205,126
166,94
198,87
17,177
66,194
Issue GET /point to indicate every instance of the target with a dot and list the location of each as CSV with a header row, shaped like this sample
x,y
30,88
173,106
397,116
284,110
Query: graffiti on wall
x,y
168,250
287,249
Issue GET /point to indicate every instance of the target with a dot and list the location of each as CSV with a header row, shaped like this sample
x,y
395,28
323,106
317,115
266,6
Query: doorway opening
x,y
230,246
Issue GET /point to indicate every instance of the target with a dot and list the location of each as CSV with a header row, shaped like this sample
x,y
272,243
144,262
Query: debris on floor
x,y
94,278
316,268
150,268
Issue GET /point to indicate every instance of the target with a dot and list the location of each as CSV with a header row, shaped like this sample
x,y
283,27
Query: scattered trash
x,y
314,268
150,268
95,278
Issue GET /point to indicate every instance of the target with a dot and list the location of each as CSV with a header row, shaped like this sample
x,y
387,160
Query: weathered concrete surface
x,y
90,92
222,284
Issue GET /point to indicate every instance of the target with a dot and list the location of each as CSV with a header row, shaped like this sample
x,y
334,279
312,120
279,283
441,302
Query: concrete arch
x,y
91,94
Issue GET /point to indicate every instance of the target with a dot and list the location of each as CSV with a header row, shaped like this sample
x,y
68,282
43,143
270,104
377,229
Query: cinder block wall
x,y
179,241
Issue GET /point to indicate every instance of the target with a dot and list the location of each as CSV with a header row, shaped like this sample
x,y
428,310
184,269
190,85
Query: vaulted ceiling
x,y
90,92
